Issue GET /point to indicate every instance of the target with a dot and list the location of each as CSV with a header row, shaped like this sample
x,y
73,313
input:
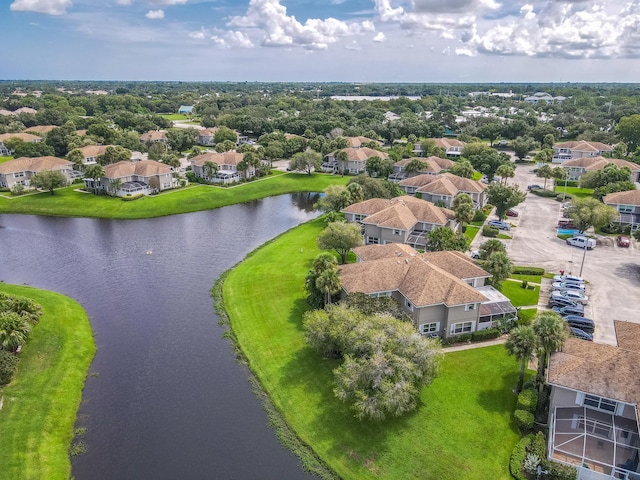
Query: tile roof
x,y
584,146
456,263
25,137
629,197
25,110
598,163
230,157
447,143
599,369
377,251
421,282
401,212
362,154
5,113
94,150
41,129
153,135
443,184
144,168
34,164
434,164
356,142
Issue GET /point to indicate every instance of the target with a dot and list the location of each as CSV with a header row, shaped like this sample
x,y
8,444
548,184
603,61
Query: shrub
x,y
528,400
465,337
569,183
479,216
17,189
616,228
528,270
8,365
491,232
485,334
544,193
131,198
517,457
524,420
524,284
531,463
538,445
558,471
564,197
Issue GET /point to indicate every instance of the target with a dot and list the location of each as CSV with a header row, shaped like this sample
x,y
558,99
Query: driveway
x,y
613,273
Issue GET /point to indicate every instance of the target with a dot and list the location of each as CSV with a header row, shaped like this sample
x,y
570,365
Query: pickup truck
x,y
582,242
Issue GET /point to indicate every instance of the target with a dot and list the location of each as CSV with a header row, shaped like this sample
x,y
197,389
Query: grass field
x,y
528,278
5,159
41,402
576,191
463,415
175,116
471,232
70,203
520,296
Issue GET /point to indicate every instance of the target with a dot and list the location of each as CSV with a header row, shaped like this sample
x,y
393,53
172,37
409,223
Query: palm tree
x,y
94,172
114,186
505,171
546,172
14,330
499,266
552,331
522,344
209,168
329,283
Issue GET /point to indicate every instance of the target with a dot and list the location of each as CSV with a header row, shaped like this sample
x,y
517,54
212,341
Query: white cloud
x,y
49,7
464,52
167,2
282,30
380,37
353,45
199,34
155,14
232,39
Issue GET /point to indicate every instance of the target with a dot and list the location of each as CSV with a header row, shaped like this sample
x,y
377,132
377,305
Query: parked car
x,y
584,324
573,295
485,179
475,254
567,286
623,241
534,187
499,224
568,278
561,302
502,143
566,223
512,213
569,310
582,242
581,334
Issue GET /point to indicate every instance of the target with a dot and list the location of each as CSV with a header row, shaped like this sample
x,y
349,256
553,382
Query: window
x,y
373,240
625,208
464,327
380,294
396,232
428,328
600,403
18,174
470,306
408,304
358,217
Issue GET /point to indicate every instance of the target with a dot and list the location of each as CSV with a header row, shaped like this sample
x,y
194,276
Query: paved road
x,y
613,273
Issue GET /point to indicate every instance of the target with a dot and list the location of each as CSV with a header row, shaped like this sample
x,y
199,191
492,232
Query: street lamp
x,y
584,254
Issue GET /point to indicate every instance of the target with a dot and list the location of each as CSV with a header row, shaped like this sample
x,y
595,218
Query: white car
x,y
572,295
567,286
568,278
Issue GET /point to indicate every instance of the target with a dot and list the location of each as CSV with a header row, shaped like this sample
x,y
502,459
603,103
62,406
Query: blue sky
x,y
322,40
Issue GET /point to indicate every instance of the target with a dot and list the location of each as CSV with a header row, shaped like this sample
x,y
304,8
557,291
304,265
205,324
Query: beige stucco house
x,y
577,167
356,160
227,163
445,188
434,166
25,137
134,178
628,206
578,149
21,170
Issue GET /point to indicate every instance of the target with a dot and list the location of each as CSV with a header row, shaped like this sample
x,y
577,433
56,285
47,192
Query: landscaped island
x,y
68,202
40,404
463,427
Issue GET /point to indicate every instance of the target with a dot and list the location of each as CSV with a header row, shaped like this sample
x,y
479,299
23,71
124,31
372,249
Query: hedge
x,y
479,216
491,232
528,400
131,198
8,365
524,420
517,457
544,193
570,183
526,270
485,334
465,337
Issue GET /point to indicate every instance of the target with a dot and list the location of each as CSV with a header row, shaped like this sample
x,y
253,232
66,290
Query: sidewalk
x,y
469,346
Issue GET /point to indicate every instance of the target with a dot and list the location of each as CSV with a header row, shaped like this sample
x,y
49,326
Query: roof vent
x,y
406,260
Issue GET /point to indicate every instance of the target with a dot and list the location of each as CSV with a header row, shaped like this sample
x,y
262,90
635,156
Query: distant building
x,y
186,109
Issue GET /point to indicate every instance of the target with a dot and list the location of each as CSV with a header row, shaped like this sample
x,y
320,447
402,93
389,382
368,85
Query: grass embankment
x,y
575,191
69,203
42,400
463,415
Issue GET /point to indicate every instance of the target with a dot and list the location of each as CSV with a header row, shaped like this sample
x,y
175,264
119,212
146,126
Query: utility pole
x,y
584,254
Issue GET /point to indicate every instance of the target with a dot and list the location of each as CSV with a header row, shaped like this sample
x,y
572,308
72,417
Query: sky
x,y
424,41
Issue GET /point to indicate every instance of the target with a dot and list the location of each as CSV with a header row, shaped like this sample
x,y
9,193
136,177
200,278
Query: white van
x,y
582,242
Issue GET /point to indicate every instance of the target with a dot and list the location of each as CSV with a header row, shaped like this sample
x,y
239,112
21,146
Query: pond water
x,y
165,397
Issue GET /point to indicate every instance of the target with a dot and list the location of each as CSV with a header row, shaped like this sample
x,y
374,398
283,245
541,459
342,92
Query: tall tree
x,y
522,344
210,169
323,263
463,169
552,331
95,173
522,146
499,266
49,180
629,130
328,282
546,172
341,237
504,197
415,166
443,238
505,171
489,247
308,161
463,208
589,212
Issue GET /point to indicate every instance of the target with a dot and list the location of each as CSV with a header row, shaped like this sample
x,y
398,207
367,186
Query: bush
x,y
8,365
479,216
570,183
485,334
524,420
17,189
538,445
616,228
524,284
558,471
465,337
544,193
531,463
491,232
564,197
528,270
517,457
131,198
528,400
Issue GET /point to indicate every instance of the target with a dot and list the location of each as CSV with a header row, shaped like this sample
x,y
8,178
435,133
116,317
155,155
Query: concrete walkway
x,y
469,346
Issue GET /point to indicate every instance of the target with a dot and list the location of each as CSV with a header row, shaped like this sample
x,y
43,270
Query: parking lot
x,y
613,273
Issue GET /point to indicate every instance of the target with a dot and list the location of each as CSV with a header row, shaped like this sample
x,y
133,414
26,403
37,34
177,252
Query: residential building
x,y
399,220
434,165
356,142
25,137
429,287
206,136
41,130
593,412
576,167
578,149
356,160
227,171
628,206
132,178
154,136
21,170
540,97
25,110
90,153
451,146
444,188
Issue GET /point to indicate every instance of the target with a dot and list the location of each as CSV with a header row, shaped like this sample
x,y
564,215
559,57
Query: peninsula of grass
x,y
519,296
68,202
41,402
463,427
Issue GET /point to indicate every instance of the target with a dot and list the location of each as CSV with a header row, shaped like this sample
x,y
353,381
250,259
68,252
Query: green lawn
x,y
463,415
175,116
41,402
528,278
520,296
576,191
69,203
5,159
471,232
477,176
